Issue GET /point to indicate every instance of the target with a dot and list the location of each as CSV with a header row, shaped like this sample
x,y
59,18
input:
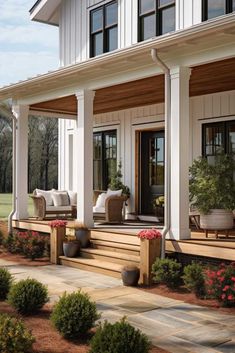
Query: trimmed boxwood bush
x,y
28,296
14,337
194,279
5,283
120,337
74,314
168,272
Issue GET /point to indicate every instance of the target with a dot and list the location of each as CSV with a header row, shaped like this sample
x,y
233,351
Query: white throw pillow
x,y
47,194
114,192
100,202
72,197
60,198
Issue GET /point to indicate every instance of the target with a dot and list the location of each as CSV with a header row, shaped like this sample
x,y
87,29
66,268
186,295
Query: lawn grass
x,y
6,206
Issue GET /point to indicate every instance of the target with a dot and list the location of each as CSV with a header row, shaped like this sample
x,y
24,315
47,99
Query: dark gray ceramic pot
x,y
130,275
83,236
71,248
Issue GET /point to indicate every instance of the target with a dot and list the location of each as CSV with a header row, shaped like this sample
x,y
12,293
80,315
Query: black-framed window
x,y
104,158
215,8
218,137
104,29
156,17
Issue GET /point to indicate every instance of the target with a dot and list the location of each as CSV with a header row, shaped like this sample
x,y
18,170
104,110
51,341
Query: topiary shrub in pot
x,y
74,315
14,336
168,272
28,296
119,337
5,283
212,191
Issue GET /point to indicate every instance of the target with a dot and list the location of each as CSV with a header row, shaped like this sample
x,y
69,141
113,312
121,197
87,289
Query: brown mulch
x,y
21,260
48,340
187,297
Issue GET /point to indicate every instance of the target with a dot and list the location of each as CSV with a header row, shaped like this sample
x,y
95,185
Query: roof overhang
x,y
46,11
183,43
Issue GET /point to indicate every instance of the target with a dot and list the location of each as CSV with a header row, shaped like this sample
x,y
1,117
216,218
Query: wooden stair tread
x,y
115,238
111,254
94,263
115,245
114,231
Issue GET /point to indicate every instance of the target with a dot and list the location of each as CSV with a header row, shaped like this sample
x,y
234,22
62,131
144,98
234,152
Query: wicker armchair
x,y
114,208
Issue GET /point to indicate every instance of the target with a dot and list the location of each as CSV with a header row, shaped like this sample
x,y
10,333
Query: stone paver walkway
x,y
170,324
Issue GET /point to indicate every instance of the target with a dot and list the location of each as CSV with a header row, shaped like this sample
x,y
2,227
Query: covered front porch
x,y
124,91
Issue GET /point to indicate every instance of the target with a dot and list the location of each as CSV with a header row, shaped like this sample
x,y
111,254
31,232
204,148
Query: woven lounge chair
x,y
113,211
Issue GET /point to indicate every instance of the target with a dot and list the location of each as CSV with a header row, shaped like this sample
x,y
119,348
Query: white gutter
x,y
167,184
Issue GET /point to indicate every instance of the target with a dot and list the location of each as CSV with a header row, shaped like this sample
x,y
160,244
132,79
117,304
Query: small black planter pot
x,y
71,248
130,275
83,236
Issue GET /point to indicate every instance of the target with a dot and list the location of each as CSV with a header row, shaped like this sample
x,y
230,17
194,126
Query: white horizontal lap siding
x,y
208,109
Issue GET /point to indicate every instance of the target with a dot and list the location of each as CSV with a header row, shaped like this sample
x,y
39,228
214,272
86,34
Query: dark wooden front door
x,y
151,169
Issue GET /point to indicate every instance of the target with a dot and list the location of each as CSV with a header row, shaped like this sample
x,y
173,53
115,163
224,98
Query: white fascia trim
x,y
196,31
42,5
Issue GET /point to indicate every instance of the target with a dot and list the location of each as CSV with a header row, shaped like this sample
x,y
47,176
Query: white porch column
x,y
180,152
21,113
84,156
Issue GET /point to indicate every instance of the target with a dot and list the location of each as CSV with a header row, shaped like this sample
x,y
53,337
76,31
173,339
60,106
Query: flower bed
x,y
31,244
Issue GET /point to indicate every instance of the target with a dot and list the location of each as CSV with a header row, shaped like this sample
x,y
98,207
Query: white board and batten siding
x,y
203,109
75,18
208,109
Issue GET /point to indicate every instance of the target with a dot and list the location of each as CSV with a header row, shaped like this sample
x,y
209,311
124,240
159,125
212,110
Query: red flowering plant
x,y
220,284
29,243
58,223
150,234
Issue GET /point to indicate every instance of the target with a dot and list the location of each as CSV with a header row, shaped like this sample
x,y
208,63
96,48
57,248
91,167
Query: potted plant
x,y
82,234
150,249
117,184
212,191
158,205
71,246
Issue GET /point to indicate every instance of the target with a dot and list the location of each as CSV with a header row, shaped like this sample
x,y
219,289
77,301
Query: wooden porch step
x,y
117,247
110,256
109,236
93,265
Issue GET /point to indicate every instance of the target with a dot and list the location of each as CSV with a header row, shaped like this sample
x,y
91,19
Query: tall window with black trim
x,y
104,29
218,137
104,158
156,17
215,8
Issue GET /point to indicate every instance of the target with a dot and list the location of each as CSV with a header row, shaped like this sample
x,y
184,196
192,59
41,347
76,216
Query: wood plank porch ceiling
x,y
205,79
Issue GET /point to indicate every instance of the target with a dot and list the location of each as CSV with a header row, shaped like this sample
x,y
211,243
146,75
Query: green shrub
x,y
120,337
74,315
14,337
167,271
5,283
9,244
194,279
28,296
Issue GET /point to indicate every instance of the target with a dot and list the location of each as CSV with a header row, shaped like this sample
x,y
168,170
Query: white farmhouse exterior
x,y
109,95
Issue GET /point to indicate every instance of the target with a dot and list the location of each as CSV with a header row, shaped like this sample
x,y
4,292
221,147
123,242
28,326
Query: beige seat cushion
x,y
59,208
